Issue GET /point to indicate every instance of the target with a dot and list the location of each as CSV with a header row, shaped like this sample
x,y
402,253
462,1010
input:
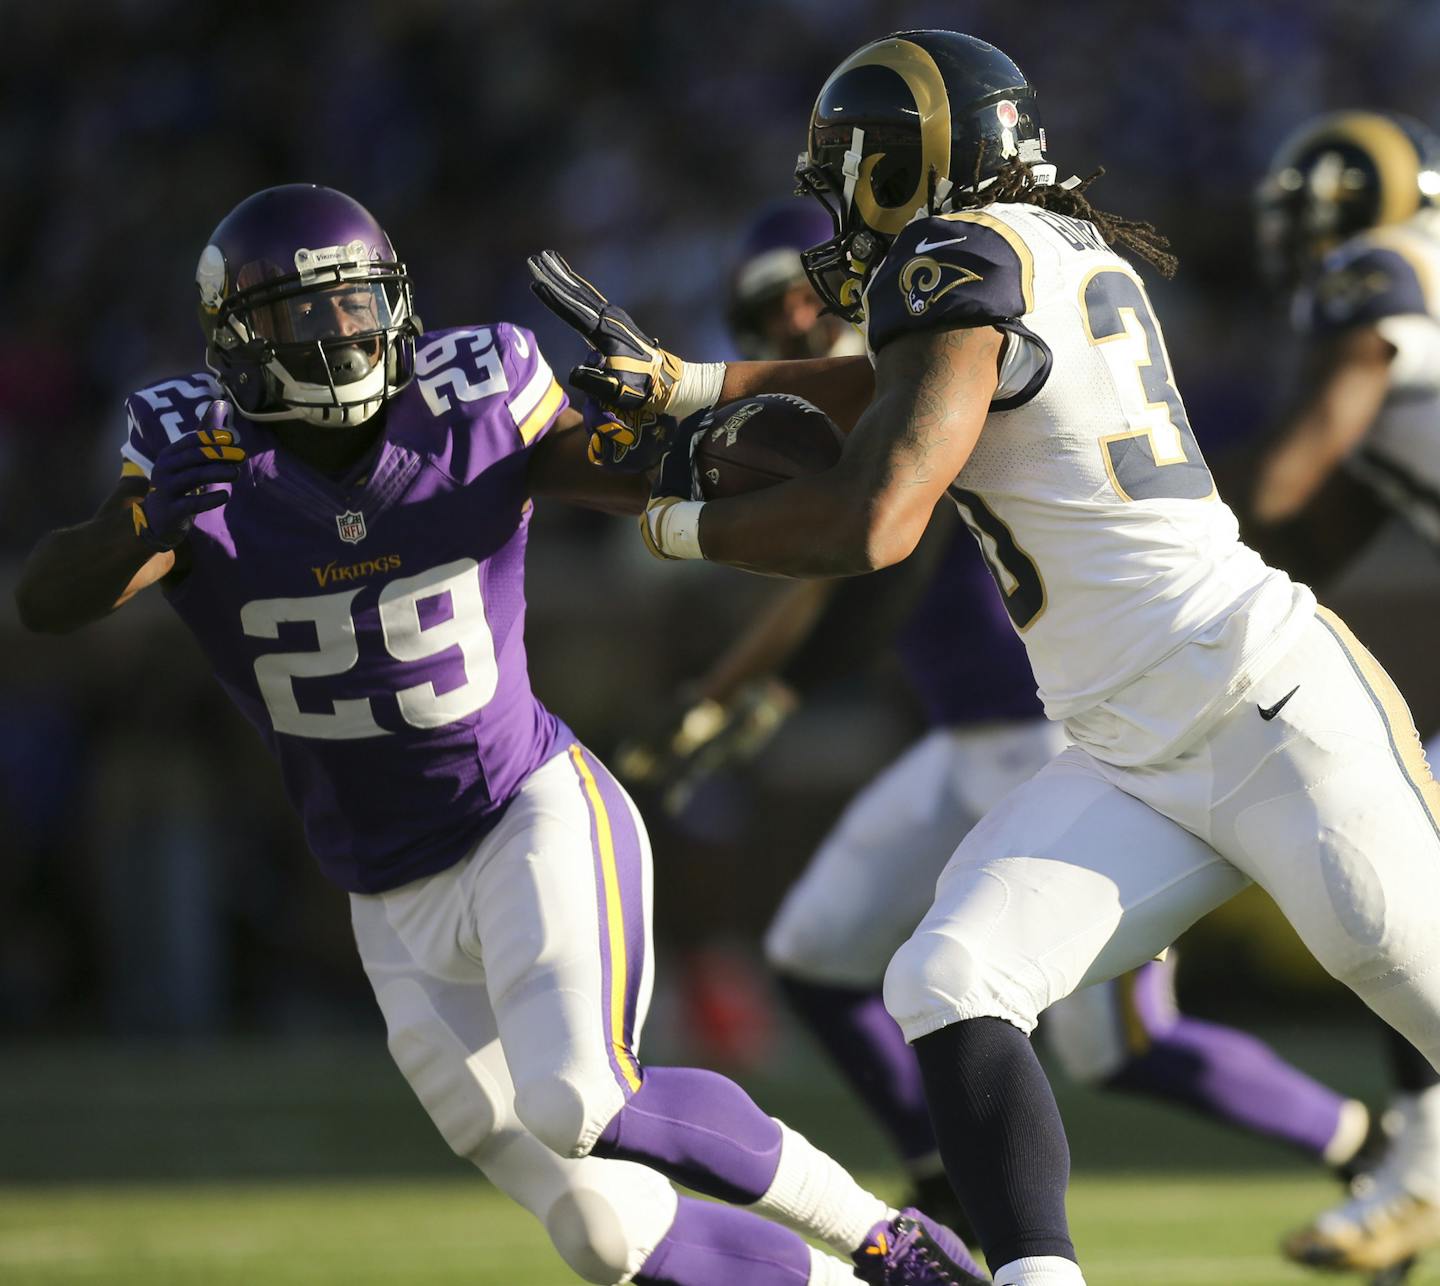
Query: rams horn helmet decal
x,y
918,123
1337,176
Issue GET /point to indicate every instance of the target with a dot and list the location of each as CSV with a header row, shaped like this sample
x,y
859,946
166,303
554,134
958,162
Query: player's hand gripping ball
x,y
187,478
755,442
745,445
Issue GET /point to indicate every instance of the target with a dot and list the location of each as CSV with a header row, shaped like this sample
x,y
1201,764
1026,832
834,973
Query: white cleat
x,y
1393,1213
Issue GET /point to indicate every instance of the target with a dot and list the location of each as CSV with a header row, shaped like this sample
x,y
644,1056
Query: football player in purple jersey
x,y
338,508
870,881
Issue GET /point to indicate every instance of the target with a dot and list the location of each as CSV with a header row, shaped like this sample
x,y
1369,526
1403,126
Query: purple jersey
x,y
960,651
372,628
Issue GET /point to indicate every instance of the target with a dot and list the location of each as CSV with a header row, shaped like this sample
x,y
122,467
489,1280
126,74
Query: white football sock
x,y
815,1195
1414,1158
826,1270
1350,1132
1040,1270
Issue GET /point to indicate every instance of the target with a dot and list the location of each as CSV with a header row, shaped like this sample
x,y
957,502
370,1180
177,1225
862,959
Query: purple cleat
x,y
913,1250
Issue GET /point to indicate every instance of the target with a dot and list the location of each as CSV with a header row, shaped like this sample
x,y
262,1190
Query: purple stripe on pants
x,y
619,851
1223,1073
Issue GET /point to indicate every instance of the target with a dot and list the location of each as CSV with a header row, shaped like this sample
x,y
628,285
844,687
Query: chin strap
x,y
850,168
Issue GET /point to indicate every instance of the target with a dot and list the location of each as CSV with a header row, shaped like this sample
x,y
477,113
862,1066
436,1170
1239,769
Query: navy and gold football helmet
x,y
1339,175
919,122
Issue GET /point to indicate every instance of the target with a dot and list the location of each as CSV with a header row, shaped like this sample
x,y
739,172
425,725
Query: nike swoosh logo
x,y
923,246
1269,713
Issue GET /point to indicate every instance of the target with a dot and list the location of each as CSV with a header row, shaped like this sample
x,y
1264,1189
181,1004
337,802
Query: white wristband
x,y
675,529
697,389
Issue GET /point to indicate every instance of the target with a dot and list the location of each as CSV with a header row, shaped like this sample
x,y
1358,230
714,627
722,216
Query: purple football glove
x,y
618,447
184,478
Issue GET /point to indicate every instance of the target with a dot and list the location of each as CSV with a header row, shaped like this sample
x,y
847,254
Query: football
x,y
755,442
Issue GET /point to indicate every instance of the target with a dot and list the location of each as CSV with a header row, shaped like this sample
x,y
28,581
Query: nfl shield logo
x,y
351,525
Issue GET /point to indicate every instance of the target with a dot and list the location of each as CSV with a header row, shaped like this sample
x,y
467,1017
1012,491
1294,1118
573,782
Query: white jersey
x,y
1389,278
1144,615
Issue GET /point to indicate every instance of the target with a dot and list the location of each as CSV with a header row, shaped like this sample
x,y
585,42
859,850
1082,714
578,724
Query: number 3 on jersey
x,y
1157,457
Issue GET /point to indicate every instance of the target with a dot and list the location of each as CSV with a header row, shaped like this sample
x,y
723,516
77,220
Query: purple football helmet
x,y
768,267
306,311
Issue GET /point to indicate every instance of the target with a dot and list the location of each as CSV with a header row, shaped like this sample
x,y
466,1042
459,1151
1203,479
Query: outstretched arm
x,y
560,469
1345,381
840,386
932,394
639,381
78,574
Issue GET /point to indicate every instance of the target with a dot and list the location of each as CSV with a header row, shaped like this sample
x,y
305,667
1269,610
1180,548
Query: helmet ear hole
x,y
896,177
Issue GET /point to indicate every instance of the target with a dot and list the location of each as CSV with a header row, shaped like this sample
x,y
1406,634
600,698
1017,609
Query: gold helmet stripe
x,y
918,70
1388,147
1395,160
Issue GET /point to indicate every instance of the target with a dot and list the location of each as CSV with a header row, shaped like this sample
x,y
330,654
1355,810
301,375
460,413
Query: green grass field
x,y
230,1165
452,1232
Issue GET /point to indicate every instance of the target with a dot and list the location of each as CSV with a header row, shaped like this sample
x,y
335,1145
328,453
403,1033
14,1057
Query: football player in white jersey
x,y
870,881
1224,728
1350,231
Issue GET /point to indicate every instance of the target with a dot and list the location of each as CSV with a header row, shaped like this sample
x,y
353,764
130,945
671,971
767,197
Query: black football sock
x,y
1001,1137
1410,1068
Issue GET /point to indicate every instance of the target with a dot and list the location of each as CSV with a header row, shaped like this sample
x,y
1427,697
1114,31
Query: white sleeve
x,y
1416,366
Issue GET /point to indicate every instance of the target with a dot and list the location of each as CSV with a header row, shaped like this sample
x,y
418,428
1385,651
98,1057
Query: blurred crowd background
x,y
151,878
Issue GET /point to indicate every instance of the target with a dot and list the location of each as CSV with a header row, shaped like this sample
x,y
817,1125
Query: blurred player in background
x,y
1224,728
349,553
1349,235
872,879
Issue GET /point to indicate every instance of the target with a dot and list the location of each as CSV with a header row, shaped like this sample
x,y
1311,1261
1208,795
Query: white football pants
x,y
1089,870
516,1033
873,877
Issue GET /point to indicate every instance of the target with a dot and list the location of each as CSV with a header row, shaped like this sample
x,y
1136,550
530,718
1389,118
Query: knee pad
x,y
462,1099
935,980
792,945
843,939
568,1113
607,1228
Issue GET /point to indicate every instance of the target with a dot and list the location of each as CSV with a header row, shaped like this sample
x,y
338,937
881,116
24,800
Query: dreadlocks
x,y
1015,182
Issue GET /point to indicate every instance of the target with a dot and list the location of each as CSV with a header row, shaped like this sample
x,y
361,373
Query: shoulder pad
x,y
471,371
536,397
1365,281
948,271
157,415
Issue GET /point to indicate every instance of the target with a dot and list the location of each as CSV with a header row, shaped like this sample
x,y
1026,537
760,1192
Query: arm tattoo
x,y
927,379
